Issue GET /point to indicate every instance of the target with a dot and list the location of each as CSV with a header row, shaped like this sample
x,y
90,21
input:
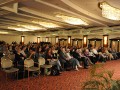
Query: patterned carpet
x,y
68,80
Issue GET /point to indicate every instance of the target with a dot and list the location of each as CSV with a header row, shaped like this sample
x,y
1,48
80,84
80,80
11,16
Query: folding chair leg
x,y
17,75
24,74
28,74
6,76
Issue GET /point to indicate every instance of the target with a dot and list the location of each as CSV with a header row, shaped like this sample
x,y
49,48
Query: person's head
x,y
53,47
79,50
62,49
76,50
67,50
49,50
32,50
86,50
96,48
18,50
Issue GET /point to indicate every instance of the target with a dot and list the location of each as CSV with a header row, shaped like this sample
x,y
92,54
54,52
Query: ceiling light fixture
x,y
46,24
109,11
1,32
19,29
31,27
71,20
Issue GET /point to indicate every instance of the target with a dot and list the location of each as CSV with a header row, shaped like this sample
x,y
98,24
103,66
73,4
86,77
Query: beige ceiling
x,y
14,12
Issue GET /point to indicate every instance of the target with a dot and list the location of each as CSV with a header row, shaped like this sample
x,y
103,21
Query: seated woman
x,y
75,63
90,57
54,52
109,54
113,53
80,57
62,57
51,60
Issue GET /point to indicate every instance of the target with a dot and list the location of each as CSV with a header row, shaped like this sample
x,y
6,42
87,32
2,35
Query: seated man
x,y
75,63
62,57
80,57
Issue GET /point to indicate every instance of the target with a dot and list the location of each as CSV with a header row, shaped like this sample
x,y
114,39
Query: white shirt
x,y
68,56
23,53
94,51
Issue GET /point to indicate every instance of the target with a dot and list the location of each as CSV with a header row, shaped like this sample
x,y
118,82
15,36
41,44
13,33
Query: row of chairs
x,y
7,65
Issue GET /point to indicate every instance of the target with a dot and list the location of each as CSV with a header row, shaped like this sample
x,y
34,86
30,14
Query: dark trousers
x,y
84,60
93,59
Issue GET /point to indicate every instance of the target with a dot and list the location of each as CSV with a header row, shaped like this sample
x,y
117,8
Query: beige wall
x,y
11,38
17,38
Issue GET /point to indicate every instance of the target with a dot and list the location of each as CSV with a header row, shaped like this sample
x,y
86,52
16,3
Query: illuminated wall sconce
x,y
69,40
47,39
38,39
85,41
105,40
77,42
56,39
22,39
113,43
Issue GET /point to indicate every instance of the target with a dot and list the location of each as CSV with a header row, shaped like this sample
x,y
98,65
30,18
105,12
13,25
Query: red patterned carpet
x,y
68,80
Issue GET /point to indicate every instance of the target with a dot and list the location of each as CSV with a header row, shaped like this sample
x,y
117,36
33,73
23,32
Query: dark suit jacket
x,y
62,56
76,55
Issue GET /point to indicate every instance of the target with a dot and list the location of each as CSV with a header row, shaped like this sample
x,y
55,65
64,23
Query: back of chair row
x,y
6,63
29,62
41,61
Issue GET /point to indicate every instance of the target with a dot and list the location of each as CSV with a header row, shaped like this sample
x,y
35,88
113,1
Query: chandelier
x,y
46,24
71,20
109,11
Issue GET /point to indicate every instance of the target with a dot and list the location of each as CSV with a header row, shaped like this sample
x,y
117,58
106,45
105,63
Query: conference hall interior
x,y
59,44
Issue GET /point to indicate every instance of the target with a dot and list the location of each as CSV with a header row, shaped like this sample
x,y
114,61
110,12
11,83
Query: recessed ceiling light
x,y
19,29
46,24
71,20
32,27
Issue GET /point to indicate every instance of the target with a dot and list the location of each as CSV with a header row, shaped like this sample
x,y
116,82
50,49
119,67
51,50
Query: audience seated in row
x,y
62,57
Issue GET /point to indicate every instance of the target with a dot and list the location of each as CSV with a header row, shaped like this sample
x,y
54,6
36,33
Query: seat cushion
x,y
11,70
33,69
46,66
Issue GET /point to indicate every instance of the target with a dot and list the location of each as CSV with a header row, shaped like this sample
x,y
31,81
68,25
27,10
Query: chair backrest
x,y
6,63
41,61
12,56
28,63
4,58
